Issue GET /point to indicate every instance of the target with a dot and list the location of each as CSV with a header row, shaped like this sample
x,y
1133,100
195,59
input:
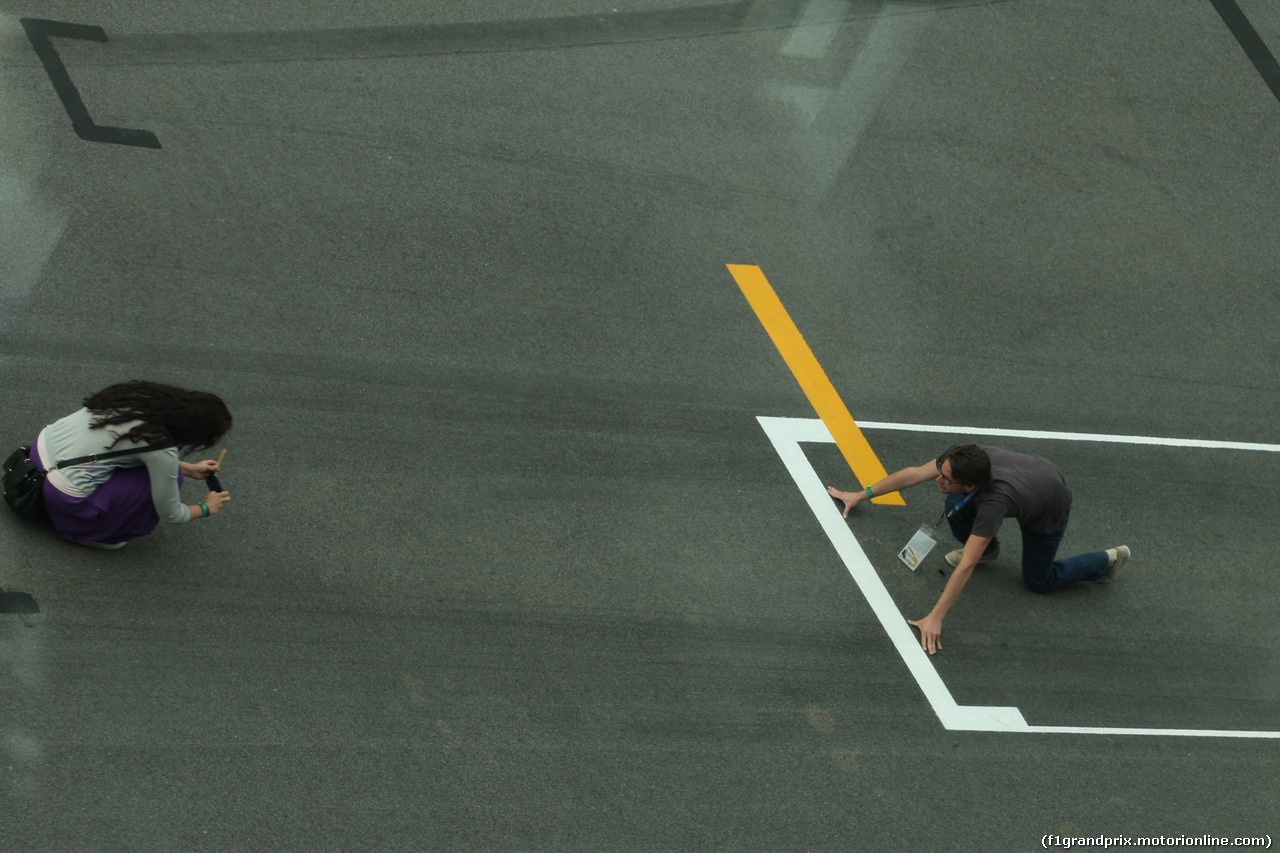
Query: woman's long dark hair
x,y
192,420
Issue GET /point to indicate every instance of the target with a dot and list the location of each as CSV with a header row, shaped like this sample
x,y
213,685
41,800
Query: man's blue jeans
x,y
1040,571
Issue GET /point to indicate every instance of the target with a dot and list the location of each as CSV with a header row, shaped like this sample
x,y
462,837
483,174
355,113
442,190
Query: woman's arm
x,y
163,467
214,501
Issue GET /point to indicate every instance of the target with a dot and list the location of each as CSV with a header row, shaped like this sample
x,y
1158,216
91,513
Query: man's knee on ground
x,y
1040,585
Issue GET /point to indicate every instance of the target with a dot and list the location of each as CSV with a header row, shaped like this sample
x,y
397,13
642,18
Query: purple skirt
x,y
118,510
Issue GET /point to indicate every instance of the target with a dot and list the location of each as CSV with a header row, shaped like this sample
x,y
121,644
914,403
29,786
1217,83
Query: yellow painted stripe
x,y
812,378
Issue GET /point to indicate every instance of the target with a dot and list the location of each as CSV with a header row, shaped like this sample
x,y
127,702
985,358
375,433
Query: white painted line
x,y
1206,444
786,435
1078,730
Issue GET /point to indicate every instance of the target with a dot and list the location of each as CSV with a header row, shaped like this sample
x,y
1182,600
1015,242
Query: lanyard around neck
x,y
948,513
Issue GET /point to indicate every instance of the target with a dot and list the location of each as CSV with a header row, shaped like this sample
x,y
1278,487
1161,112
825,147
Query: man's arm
x,y
931,625
895,482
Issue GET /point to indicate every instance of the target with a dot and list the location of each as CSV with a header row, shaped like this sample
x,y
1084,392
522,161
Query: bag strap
x,y
95,457
948,513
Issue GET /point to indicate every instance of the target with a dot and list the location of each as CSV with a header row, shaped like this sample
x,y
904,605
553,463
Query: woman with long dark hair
x,y
107,502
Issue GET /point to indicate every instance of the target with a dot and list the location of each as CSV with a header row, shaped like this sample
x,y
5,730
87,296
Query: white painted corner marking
x,y
786,435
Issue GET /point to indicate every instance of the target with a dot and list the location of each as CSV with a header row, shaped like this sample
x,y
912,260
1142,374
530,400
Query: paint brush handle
x,y
212,479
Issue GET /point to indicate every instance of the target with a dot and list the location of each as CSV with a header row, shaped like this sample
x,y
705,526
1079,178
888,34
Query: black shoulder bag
x,y
24,480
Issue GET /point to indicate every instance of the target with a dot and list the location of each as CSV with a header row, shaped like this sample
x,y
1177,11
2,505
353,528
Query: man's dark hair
x,y
192,420
970,465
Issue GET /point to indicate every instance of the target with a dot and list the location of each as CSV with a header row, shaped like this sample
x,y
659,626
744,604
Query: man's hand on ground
x,y
930,633
849,499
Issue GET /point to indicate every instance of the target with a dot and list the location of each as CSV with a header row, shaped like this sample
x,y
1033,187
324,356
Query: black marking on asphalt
x,y
1254,47
20,603
40,31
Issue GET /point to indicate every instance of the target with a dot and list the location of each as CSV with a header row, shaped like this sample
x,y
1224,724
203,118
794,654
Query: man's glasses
x,y
943,476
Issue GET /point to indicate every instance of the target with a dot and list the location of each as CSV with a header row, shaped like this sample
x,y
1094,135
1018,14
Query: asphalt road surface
x,y
511,562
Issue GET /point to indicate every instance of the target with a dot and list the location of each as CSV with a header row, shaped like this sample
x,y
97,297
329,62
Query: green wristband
x,y
204,508
869,492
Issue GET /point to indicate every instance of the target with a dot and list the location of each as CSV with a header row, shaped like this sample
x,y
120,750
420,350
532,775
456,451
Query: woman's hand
x,y
200,470
215,501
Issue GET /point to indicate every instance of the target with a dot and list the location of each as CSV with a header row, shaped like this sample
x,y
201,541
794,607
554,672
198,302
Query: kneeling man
x,y
985,485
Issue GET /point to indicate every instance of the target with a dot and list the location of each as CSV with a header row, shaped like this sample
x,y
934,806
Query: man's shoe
x,y
1122,554
954,557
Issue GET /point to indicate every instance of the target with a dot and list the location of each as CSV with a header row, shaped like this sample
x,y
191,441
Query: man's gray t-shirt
x,y
1028,488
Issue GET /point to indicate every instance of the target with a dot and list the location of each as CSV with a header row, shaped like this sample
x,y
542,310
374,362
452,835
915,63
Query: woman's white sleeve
x,y
162,466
